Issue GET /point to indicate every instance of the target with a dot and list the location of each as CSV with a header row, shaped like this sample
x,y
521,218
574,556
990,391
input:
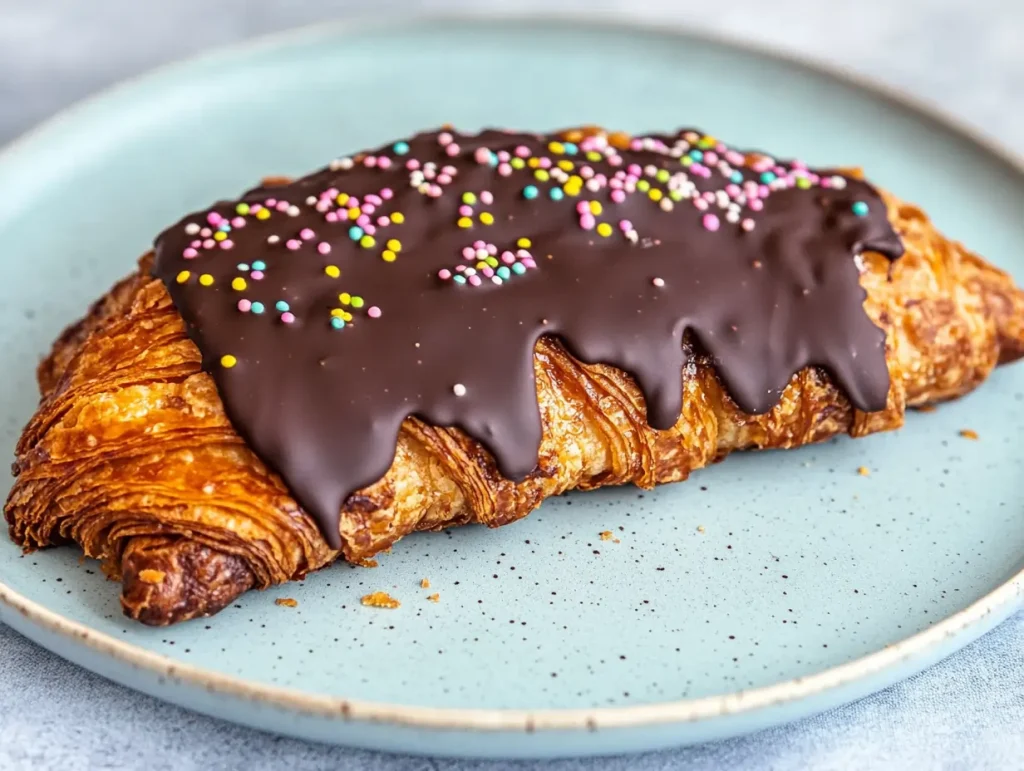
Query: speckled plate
x,y
766,588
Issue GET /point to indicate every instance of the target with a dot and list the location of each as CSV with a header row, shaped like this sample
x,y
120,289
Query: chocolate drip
x,y
416,280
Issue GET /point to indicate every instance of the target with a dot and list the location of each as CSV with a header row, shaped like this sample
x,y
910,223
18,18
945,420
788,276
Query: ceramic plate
x,y
764,589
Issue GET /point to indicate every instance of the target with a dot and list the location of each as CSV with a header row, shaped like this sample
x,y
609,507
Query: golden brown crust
x,y
130,453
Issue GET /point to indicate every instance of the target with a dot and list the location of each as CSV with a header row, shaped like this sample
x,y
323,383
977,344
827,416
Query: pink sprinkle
x,y
826,182
383,221
475,280
763,191
293,244
190,254
709,196
209,243
636,144
256,275
206,232
370,229
492,249
635,169
747,224
253,208
331,216
376,200
244,305
323,247
733,190
486,197
616,183
451,171
756,204
545,163
363,220
386,193
479,244
331,192
582,207
615,160
625,226
465,210
238,222
353,203
452,149
412,164
213,218
700,203
710,158
444,138
482,155
586,172
504,169
444,273
227,243
282,206
370,161
287,317
529,263
270,203
468,252
711,222
444,179
196,243
618,196
503,156
587,221
323,205
522,254
305,234
523,151
384,162
435,191
735,158
487,271
373,312
507,257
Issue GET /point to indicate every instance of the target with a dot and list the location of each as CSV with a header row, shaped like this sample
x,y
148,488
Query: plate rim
x,y
999,602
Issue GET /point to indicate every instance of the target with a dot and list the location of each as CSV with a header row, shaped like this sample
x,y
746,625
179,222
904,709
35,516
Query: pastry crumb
x,y
380,600
425,583
927,408
968,433
368,563
152,576
701,529
864,471
606,535
435,597
286,602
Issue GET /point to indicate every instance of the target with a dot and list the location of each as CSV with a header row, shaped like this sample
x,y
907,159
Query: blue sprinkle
x,y
458,279
768,177
336,322
257,307
697,155
355,232
570,148
530,192
259,265
281,305
503,271
224,226
492,160
736,176
401,148
242,267
556,194
518,268
860,209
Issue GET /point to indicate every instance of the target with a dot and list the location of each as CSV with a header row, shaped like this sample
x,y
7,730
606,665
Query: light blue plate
x,y
765,589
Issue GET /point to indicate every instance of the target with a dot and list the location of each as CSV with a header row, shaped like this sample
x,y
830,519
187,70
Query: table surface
x,y
965,713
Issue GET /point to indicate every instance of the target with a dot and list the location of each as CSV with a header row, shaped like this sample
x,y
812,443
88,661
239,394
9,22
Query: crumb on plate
x,y
968,433
380,600
286,602
425,583
864,471
435,597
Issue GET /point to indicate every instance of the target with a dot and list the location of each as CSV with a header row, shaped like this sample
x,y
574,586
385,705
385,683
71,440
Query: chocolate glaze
x,y
323,406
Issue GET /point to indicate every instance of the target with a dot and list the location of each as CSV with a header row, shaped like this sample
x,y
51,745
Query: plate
x,y
767,588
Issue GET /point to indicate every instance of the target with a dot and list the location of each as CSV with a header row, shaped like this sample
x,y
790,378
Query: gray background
x,y
965,56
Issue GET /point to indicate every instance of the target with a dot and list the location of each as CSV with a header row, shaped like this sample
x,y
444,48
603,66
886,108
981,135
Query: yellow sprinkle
x,y
596,208
220,235
465,222
398,218
593,156
388,256
487,218
345,298
575,180
263,214
357,301
542,175
228,361
557,148
524,243
338,312
468,198
394,245
183,276
481,265
346,316
342,199
604,229
565,165
655,194
533,163
367,242
206,279
353,214
517,163
332,270
238,284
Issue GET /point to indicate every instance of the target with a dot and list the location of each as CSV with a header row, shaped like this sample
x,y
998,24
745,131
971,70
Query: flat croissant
x,y
130,453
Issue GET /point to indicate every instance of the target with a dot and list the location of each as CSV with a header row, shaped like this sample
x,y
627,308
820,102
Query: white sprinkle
x,y
666,204
732,216
650,170
658,281
838,182
346,163
273,239
593,185
191,228
458,389
311,200
747,224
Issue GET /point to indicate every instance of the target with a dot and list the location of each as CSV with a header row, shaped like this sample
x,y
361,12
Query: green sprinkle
x,y
357,301
662,175
803,183
242,208
492,262
468,198
643,185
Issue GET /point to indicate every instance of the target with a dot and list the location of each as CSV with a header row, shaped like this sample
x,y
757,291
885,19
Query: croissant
x,y
132,455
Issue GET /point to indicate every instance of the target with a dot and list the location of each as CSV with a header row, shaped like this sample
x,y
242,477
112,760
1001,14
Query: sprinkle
x,y
305,234
182,277
344,298
487,218
263,214
400,148
206,279
238,284
747,224
191,228
659,282
293,244
604,229
373,312
337,323
287,317
367,242
282,306
259,265
357,301
530,192
458,389
556,194
228,361
464,222
244,305
711,221
524,243
257,308
860,209
333,271
190,253
388,255
323,247
355,232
